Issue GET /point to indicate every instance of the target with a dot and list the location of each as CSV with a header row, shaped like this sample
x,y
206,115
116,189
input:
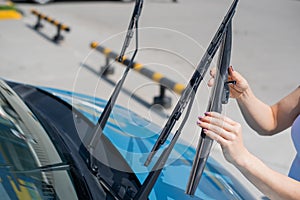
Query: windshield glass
x,y
27,155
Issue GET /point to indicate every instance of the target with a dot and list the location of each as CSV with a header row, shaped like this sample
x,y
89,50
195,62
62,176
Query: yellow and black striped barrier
x,y
155,76
60,26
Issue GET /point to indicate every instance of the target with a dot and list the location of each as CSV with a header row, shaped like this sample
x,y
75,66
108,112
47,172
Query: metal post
x,y
107,68
58,36
163,100
38,24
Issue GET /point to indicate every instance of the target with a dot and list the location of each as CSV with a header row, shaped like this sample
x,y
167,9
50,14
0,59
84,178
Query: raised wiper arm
x,y
44,168
193,83
153,175
98,130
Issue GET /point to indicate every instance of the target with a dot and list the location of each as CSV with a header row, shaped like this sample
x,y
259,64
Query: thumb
x,y
234,75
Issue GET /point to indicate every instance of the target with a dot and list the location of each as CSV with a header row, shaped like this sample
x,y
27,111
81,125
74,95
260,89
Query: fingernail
x,y
231,68
205,130
200,117
206,113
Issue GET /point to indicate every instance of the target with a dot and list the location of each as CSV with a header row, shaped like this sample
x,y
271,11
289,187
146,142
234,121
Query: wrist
x,y
247,94
244,160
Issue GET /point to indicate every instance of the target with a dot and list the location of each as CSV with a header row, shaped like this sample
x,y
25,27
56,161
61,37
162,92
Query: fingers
x,y
234,75
212,73
214,136
214,128
211,82
227,133
218,127
230,70
237,89
220,117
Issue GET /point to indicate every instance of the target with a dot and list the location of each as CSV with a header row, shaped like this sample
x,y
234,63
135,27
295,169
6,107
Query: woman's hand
x,y
236,90
227,133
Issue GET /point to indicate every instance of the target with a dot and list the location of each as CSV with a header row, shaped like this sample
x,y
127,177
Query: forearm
x,y
257,114
228,134
271,183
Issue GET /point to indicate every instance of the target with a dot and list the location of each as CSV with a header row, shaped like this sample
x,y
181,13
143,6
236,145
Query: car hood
x,y
134,137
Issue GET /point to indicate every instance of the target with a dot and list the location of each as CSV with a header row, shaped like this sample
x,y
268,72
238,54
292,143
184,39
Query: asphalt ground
x,y
172,39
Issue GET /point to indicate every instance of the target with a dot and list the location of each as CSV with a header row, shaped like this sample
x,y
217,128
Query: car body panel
x,y
134,137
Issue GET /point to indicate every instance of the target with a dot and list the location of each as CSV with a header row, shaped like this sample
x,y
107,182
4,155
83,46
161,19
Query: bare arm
x,y
228,134
269,120
263,118
271,183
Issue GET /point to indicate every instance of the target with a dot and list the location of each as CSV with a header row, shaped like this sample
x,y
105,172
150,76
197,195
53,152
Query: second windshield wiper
x,y
44,168
98,130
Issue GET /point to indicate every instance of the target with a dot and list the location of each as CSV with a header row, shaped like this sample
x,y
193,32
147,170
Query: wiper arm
x,y
109,189
44,168
98,130
194,82
153,175
223,33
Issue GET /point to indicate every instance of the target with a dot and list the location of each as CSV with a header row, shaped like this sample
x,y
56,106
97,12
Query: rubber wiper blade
x,y
219,96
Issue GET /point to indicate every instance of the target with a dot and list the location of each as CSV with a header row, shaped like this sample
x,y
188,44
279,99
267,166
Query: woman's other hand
x,y
237,89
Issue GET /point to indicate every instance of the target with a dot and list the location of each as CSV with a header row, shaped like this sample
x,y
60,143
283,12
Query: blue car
x,y
46,152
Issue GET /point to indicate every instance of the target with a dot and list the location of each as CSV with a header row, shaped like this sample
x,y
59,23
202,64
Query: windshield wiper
x,y
98,130
194,82
223,38
44,168
61,167
109,189
153,175
218,97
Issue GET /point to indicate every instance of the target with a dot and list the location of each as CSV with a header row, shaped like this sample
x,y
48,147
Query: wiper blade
x,y
98,130
194,82
219,96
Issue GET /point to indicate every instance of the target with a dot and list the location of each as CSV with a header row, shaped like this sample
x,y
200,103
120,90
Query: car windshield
x,y
30,166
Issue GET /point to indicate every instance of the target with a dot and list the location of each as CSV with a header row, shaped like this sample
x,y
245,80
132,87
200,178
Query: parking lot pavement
x,y
172,39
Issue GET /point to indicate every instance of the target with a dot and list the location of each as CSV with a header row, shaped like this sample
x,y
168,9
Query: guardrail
x,y
140,68
60,26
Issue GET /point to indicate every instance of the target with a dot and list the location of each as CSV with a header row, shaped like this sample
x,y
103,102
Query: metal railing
x,y
142,69
60,26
